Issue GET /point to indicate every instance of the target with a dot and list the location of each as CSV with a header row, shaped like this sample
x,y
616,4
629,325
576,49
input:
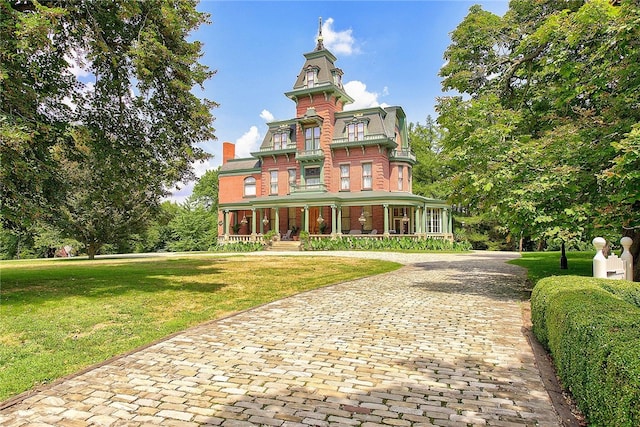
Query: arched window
x,y
249,186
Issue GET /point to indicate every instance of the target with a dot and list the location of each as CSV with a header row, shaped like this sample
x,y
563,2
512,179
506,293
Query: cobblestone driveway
x,y
438,342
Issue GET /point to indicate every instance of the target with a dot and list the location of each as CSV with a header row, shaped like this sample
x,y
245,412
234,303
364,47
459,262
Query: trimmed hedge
x,y
592,329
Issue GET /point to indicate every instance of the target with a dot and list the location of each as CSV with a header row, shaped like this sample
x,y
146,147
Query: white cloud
x,y
248,142
361,97
266,116
182,190
77,64
338,42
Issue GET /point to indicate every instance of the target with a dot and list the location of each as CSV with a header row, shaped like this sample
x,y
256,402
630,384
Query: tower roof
x,y
319,73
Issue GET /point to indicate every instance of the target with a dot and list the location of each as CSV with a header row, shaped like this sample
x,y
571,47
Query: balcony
x,y
310,155
308,188
403,155
368,140
272,150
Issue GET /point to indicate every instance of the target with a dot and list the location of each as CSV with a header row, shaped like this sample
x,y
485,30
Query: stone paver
x,y
438,342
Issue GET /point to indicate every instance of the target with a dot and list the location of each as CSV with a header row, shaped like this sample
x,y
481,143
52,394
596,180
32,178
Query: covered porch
x,y
372,215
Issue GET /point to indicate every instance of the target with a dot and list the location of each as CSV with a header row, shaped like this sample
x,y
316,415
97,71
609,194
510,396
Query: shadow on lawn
x,y
41,284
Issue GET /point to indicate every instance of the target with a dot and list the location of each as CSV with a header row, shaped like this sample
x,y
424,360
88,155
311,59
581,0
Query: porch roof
x,y
359,198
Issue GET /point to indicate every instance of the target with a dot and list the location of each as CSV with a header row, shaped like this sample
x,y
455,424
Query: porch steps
x,y
284,246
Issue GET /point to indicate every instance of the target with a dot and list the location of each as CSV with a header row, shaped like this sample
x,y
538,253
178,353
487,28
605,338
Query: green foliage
x,y
205,191
238,247
545,136
193,229
391,244
430,170
269,235
99,168
544,264
593,333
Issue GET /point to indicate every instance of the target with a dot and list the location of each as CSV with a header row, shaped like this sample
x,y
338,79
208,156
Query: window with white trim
x,y
311,78
355,131
367,176
312,138
292,179
344,177
434,220
400,178
249,186
273,181
279,140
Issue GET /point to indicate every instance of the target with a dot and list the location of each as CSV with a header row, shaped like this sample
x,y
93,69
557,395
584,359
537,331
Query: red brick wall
x,y
355,159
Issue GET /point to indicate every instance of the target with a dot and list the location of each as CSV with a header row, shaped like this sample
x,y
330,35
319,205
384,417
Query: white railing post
x,y
627,258
599,261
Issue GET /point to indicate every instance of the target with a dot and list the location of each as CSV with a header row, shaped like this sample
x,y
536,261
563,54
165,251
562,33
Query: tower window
x,y
311,78
312,138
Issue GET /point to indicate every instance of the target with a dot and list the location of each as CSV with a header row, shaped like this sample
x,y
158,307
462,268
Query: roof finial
x,y
320,46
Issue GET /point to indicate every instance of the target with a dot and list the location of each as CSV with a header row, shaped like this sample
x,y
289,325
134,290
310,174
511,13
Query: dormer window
x,y
311,78
280,140
355,131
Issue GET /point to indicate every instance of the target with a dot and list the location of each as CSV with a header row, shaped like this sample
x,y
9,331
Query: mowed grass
x,y
57,317
544,264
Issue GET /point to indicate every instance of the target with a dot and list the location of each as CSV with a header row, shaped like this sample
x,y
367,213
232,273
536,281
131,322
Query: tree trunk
x,y
92,249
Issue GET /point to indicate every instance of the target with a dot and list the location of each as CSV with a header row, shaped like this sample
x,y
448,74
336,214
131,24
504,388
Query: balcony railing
x,y
286,147
308,188
310,155
403,155
367,138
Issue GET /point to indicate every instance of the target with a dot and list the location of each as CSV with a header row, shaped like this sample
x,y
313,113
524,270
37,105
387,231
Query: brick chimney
x,y
228,151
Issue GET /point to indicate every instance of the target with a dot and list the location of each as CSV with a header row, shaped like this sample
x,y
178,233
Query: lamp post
x,y
362,220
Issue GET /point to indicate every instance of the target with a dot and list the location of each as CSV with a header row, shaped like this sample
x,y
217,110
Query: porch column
x,y
386,220
339,225
277,220
226,224
253,223
424,220
333,220
417,221
261,223
446,221
306,218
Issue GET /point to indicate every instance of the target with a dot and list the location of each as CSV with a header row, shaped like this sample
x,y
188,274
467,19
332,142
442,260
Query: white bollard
x,y
626,256
599,261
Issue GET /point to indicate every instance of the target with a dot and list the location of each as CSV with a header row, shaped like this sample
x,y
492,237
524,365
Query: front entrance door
x,y
314,213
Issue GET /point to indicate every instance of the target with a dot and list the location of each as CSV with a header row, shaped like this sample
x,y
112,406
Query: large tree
x,y
129,133
546,137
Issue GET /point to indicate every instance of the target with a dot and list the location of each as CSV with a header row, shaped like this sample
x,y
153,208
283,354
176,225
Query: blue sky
x,y
390,53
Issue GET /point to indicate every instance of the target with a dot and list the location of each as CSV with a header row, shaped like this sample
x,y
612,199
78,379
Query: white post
x,y
599,261
627,258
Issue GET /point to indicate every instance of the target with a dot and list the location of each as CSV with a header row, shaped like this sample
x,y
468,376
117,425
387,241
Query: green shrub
x,y
592,329
391,244
238,247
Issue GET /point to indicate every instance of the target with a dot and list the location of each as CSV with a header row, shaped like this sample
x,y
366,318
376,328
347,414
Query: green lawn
x,y
544,264
57,317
